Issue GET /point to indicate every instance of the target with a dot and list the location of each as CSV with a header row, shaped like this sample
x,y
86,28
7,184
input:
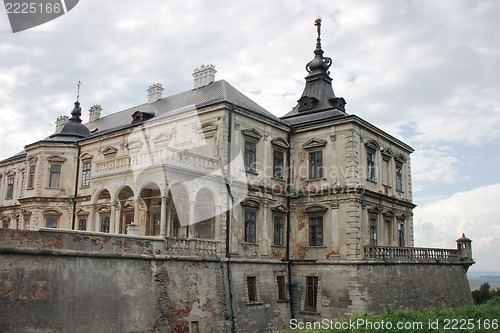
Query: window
x,y
373,229
280,280
252,288
86,173
5,224
55,175
278,230
105,224
401,232
51,222
31,177
311,293
82,223
250,226
250,150
316,164
278,161
10,188
399,177
316,231
370,165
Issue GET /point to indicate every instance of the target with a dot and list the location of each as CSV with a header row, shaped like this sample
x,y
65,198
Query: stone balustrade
x,y
411,254
192,246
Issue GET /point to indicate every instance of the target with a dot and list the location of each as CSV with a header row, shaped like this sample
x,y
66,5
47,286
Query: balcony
x,y
412,254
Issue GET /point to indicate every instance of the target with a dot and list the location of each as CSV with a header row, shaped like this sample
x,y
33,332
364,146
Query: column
x,y
112,218
190,227
163,217
136,212
91,226
169,222
117,219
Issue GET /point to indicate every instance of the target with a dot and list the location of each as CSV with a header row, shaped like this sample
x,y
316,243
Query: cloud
x,y
474,212
433,167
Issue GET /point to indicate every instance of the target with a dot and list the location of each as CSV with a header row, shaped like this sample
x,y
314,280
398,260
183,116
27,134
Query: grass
x,y
469,318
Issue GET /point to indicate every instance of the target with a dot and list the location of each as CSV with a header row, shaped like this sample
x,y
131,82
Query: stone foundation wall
x,y
81,282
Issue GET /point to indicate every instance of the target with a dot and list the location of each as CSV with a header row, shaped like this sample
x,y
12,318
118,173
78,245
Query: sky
x,y
426,72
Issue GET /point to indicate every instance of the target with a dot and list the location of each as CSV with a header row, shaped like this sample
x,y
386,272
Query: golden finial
x,y
78,93
318,19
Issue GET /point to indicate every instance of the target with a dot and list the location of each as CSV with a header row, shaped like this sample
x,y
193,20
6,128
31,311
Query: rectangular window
x,y
31,177
316,231
278,230
82,223
10,188
86,173
250,150
401,232
105,224
399,177
373,229
250,227
316,164
5,224
281,287
278,161
55,175
311,293
252,288
370,165
51,222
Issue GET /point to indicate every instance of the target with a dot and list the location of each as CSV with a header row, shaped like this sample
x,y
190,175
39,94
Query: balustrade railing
x,y
411,254
192,246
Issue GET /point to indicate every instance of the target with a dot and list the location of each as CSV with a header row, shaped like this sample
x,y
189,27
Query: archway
x,y
179,211
104,210
126,206
151,197
205,215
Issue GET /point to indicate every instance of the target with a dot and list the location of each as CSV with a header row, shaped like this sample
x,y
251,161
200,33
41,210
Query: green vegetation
x,y
484,293
471,318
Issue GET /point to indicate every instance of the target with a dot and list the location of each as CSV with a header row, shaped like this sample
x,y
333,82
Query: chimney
x,y
204,75
154,92
60,122
95,112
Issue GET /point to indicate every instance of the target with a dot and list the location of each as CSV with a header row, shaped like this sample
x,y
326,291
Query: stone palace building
x,y
306,216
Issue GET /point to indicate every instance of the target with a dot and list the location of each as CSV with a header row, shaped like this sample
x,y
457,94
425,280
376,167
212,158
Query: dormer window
x,y
139,116
307,103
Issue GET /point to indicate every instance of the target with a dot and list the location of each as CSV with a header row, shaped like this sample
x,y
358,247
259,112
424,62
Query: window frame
x,y
278,230
373,228
370,165
311,294
315,167
399,176
105,226
31,176
281,285
10,188
278,168
250,231
252,294
401,232
86,173
57,180
314,228
250,166
51,218
80,219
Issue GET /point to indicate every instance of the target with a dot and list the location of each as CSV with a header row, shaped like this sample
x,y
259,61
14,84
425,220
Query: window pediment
x,y
10,173
250,203
108,151
279,208
134,144
208,129
252,133
315,208
162,138
86,156
32,160
51,212
374,209
388,213
103,209
81,212
387,152
314,143
56,158
280,142
400,158
372,144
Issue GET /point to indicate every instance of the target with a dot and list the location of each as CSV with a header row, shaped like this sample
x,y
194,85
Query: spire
x,y
74,127
318,96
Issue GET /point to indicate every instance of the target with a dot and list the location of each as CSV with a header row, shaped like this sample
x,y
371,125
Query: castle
x,y
202,211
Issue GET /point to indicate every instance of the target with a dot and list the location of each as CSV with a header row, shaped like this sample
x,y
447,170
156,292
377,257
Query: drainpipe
x,y
73,219
288,215
228,219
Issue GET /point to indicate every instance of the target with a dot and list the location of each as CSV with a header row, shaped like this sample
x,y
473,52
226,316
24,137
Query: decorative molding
x,y
388,213
108,151
374,209
333,137
32,159
252,133
280,142
134,144
315,208
372,144
208,129
387,152
251,203
162,138
400,158
86,156
10,173
280,208
51,211
314,143
56,158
